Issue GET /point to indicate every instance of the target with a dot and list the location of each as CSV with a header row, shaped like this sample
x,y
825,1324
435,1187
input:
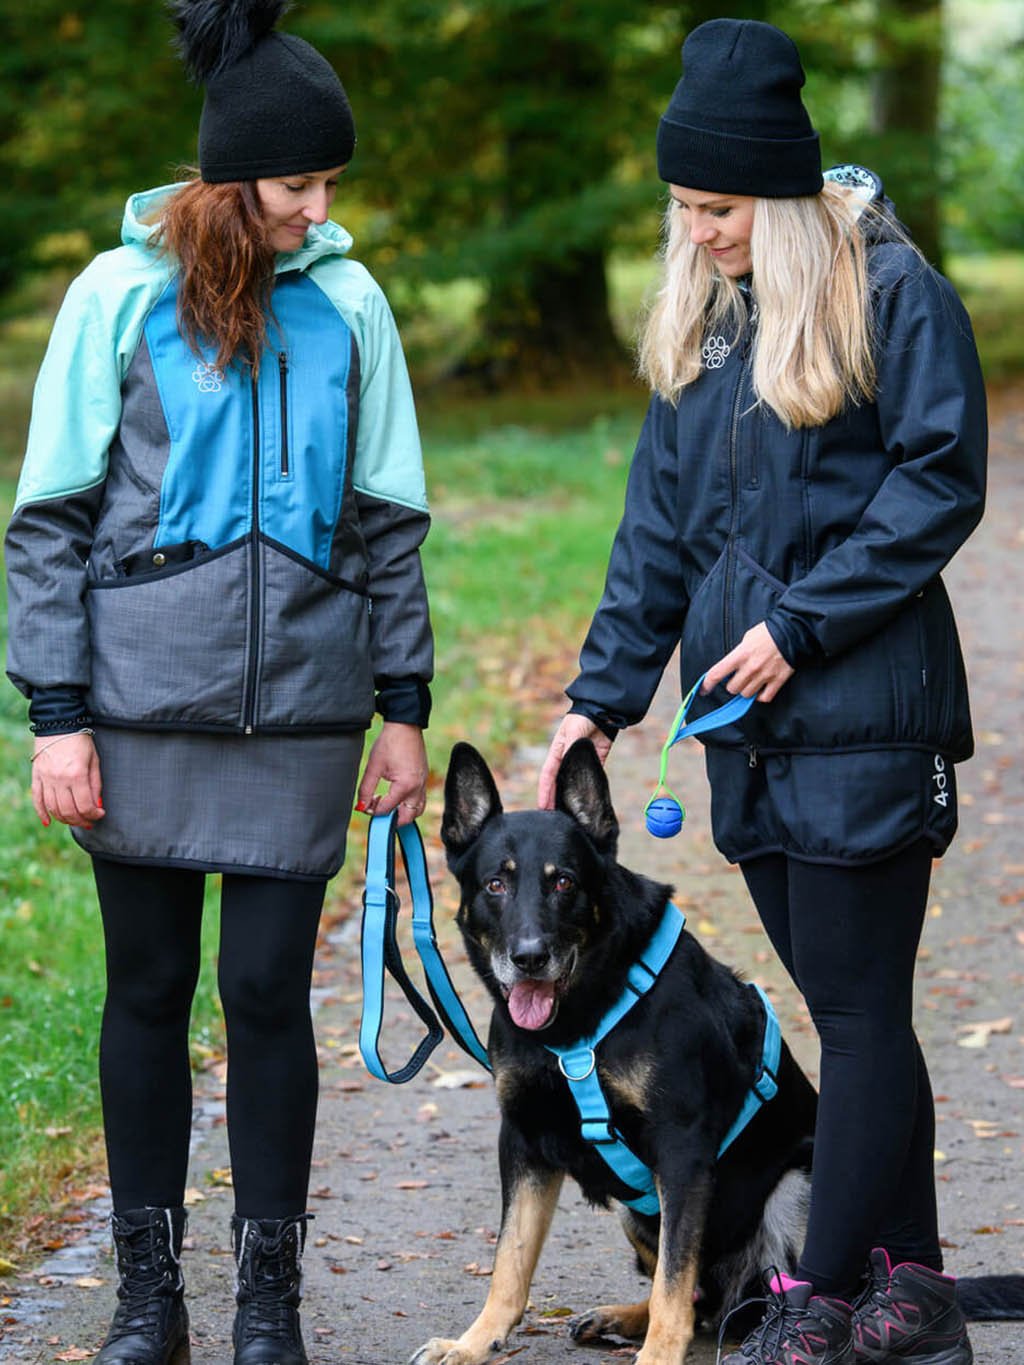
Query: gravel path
x,y
405,1181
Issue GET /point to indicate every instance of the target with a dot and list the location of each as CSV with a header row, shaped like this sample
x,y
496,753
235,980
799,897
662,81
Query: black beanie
x,y
736,123
274,106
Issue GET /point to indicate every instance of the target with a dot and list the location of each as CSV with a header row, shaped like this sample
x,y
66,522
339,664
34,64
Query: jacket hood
x,y
142,213
882,224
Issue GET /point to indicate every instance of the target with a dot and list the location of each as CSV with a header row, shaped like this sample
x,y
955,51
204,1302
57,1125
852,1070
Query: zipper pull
x,y
752,757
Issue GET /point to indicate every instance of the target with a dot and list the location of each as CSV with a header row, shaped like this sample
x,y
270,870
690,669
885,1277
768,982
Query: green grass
x,y
992,288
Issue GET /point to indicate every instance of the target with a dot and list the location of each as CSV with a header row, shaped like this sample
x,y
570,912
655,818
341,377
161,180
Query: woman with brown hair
x,y
223,476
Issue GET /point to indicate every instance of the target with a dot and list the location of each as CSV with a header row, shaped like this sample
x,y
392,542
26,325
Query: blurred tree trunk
x,y
546,317
906,113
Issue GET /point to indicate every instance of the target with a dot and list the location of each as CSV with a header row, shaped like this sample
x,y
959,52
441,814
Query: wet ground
x,y
405,1184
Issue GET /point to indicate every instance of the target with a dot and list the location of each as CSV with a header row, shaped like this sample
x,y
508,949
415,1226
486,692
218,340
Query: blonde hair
x,y
812,351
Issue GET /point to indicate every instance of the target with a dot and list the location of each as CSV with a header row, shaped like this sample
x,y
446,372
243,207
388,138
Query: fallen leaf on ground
x,y
978,1033
459,1080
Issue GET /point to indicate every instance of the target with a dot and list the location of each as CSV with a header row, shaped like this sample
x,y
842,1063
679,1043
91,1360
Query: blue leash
x,y
380,952
664,815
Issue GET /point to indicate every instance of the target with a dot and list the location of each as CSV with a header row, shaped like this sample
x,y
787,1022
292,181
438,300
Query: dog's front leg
x,y
529,1198
684,1196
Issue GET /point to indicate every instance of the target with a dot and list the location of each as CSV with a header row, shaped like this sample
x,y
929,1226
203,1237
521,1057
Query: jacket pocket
x,y
168,648
316,668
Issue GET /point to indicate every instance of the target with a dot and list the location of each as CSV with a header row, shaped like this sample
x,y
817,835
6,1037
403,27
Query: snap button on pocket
x,y
159,560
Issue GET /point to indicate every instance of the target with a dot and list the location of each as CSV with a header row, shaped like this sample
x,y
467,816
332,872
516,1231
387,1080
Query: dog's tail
x,y
985,1298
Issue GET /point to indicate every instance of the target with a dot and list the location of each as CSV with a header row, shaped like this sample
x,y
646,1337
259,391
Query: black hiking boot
x,y
909,1315
150,1325
798,1328
269,1289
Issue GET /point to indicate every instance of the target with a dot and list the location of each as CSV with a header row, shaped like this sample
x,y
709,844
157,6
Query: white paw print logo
x,y
207,377
714,351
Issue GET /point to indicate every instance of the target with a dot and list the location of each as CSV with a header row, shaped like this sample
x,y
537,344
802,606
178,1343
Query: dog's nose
x,y
530,956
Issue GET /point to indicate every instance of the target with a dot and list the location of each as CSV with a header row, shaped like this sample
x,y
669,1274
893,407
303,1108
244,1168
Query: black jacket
x,y
834,536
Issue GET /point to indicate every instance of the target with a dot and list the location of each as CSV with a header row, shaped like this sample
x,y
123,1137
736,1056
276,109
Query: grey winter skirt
x,y
271,805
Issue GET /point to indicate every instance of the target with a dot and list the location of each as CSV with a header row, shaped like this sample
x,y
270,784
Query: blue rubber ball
x,y
664,817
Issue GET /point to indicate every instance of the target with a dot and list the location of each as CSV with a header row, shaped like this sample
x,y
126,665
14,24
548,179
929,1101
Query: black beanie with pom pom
x,y
274,106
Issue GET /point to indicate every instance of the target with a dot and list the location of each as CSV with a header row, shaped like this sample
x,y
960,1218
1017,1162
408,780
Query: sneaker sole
x,y
961,1354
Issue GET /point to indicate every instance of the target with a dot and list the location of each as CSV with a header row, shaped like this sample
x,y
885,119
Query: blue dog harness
x,y
577,1063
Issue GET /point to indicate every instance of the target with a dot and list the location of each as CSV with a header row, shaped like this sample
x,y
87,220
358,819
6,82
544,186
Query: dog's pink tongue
x,y
531,1002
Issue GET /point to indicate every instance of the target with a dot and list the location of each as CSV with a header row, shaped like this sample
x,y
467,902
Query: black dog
x,y
552,924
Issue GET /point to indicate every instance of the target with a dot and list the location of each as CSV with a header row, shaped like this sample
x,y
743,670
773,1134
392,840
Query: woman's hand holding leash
x,y
66,780
398,757
757,667
571,729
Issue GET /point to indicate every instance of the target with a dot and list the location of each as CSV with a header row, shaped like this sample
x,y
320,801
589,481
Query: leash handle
x,y
380,952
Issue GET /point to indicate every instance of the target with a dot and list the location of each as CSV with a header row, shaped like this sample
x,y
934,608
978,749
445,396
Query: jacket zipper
x,y
249,709
282,370
733,490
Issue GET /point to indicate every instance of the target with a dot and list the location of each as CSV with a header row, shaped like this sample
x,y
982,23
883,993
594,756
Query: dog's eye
x,y
563,882
495,886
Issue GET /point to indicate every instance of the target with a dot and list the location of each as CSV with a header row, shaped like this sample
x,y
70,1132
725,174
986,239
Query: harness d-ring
x,y
589,1071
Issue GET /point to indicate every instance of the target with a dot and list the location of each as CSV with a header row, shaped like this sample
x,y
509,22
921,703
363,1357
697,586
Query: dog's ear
x,y
581,791
470,799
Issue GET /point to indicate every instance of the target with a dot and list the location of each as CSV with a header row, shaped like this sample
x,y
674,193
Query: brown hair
x,y
218,235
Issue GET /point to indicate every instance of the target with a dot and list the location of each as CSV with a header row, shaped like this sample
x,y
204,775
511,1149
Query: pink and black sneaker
x,y
909,1315
799,1328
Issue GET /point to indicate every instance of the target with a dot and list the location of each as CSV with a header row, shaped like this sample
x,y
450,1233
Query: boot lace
x,y
145,1287
875,1294
270,1307
764,1344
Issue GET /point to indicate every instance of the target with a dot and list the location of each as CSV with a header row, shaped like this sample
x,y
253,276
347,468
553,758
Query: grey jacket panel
x,y
47,549
329,686
130,514
169,648
401,641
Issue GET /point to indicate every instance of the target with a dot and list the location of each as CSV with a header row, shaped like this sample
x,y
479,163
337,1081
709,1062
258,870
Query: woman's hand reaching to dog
x,y
571,729
398,757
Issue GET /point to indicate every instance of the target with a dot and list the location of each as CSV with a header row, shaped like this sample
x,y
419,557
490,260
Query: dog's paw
x,y
438,1351
626,1320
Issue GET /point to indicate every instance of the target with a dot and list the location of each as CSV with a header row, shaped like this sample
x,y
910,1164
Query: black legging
x,y
848,937
151,923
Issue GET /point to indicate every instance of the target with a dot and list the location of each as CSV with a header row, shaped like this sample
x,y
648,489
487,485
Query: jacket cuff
x,y
794,641
404,700
57,710
608,725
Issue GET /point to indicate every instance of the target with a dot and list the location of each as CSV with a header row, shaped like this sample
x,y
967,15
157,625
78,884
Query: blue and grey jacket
x,y
834,536
198,550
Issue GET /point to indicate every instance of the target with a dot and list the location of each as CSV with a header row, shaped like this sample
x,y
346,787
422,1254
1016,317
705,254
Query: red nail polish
x,y
361,807
99,802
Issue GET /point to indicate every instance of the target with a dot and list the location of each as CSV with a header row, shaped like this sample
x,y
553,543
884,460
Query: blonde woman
x,y
813,455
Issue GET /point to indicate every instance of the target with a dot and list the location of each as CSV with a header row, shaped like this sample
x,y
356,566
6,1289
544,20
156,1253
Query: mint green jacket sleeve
x,y
391,495
75,413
